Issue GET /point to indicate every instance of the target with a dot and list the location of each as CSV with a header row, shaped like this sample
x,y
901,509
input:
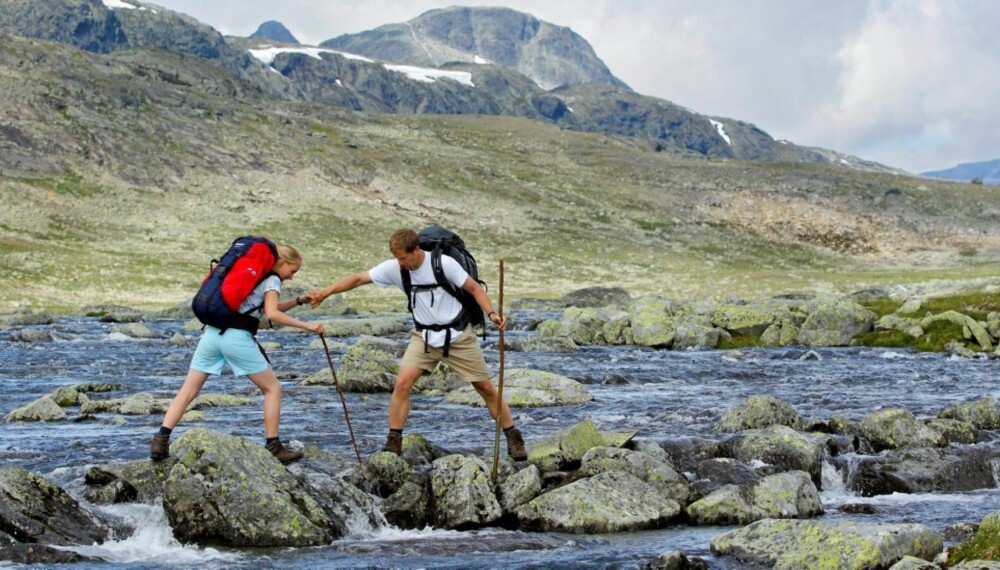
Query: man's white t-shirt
x,y
430,306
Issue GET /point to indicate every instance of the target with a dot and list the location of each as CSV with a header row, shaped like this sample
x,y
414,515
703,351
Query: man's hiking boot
x,y
159,449
515,445
393,443
285,456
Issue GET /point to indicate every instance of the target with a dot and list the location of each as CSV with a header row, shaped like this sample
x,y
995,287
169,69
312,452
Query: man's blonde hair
x,y
404,241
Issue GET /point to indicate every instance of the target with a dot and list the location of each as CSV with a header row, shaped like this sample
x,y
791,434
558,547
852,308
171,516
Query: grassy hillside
x,y
121,176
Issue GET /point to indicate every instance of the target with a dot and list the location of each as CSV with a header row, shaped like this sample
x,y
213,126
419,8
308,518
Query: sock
x,y
508,429
396,431
164,431
268,441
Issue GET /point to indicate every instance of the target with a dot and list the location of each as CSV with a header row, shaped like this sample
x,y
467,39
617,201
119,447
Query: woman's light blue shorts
x,y
235,347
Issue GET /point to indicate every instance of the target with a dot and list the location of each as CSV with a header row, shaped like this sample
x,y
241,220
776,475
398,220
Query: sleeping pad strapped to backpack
x,y
439,241
231,279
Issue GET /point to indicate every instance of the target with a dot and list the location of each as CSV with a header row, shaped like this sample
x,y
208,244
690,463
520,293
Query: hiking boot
x,y
285,456
393,443
159,449
515,445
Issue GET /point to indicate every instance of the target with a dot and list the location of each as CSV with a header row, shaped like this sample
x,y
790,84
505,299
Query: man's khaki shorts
x,y
465,358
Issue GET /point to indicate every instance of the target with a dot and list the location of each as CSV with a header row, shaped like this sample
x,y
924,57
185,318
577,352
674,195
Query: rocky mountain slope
x,y
987,172
122,172
551,56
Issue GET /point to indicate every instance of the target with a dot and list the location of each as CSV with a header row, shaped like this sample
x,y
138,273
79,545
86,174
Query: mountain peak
x,y
275,31
551,56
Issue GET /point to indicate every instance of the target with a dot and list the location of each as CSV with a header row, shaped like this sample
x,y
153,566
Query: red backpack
x,y
231,279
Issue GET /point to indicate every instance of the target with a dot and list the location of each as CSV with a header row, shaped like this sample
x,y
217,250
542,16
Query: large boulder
x,y
523,388
783,447
659,474
984,544
893,428
779,496
983,413
369,366
758,412
463,493
835,324
798,544
43,409
952,469
34,510
226,490
409,507
971,328
695,331
607,502
743,320
652,322
519,488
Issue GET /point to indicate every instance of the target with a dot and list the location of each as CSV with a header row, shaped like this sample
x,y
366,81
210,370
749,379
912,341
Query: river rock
x,y
66,396
565,448
893,428
408,507
540,343
597,297
32,335
685,453
725,471
674,560
218,400
658,474
951,469
25,318
366,326
226,490
835,324
953,431
348,508
462,492
797,544
34,510
41,410
519,488
783,447
743,320
914,563
140,481
135,330
607,502
984,544
784,495
971,327
370,366
758,412
983,413
39,554
524,387
387,472
694,331
651,322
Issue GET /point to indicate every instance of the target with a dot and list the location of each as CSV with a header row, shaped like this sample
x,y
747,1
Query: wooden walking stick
x,y
344,403
499,403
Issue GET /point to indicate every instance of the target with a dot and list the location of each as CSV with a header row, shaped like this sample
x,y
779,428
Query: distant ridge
x,y
987,171
275,31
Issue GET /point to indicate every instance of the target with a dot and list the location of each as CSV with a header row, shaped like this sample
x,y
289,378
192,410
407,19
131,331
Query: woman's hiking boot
x,y
393,443
159,449
515,445
285,456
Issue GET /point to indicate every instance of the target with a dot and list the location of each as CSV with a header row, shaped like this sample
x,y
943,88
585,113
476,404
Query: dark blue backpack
x,y
249,260
438,241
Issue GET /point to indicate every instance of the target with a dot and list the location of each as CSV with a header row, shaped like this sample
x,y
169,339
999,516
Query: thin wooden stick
x,y
344,403
499,403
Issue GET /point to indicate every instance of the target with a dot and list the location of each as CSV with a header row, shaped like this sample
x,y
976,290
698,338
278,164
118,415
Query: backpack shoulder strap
x,y
439,275
404,275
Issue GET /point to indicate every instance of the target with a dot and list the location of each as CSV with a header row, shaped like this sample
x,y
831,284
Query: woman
x,y
240,351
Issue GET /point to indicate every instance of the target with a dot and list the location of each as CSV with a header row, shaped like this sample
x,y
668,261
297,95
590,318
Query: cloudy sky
x,y
909,83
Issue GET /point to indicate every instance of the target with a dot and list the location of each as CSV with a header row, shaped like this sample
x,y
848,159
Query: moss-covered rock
x,y
783,447
523,387
983,413
743,320
758,412
519,488
651,322
372,326
34,510
217,400
835,324
387,472
972,328
826,545
462,493
893,428
43,409
658,474
564,448
370,366
779,496
140,481
607,502
984,544
226,490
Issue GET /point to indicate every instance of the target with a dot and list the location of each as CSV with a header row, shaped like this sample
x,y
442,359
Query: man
x,y
432,340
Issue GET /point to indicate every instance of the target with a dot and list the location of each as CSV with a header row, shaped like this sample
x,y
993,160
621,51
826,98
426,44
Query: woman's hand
x,y
317,328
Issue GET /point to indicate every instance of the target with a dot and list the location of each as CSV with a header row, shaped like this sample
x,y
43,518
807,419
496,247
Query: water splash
x,y
152,541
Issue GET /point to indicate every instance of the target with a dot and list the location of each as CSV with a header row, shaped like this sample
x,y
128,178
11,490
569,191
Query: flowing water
x,y
666,394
